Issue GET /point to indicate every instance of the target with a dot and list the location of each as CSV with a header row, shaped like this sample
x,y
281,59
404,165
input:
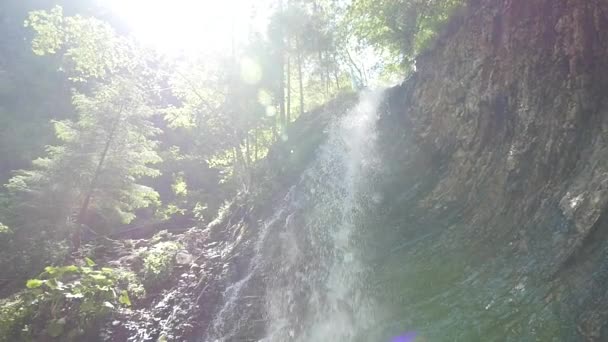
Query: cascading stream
x,y
315,291
351,254
308,255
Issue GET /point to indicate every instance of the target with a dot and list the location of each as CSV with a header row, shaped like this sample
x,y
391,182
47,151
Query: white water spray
x,y
308,253
317,290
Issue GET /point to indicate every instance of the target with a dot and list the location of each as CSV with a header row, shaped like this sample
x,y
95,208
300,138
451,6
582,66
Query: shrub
x,y
159,262
64,303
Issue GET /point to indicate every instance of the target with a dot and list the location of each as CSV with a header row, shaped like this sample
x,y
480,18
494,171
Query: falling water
x,y
307,256
316,289
351,254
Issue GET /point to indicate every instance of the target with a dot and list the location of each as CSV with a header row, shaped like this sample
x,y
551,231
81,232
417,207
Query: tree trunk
x,y
327,76
274,126
255,144
322,71
301,82
282,97
336,73
247,150
337,79
288,109
76,234
362,77
248,169
240,169
281,89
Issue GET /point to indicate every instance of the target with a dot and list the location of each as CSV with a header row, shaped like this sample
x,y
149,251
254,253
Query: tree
x,y
31,92
97,167
397,30
108,147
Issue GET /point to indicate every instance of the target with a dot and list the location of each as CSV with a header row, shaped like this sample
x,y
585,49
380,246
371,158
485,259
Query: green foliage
x,y
180,188
32,92
21,253
159,263
199,211
63,303
398,29
105,152
170,210
129,281
101,154
15,320
90,46
309,35
4,229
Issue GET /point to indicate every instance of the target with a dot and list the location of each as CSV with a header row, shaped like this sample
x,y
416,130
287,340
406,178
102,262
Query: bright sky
x,y
188,26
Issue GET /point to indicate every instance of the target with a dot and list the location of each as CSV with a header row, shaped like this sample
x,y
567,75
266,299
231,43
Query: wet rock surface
x,y
508,109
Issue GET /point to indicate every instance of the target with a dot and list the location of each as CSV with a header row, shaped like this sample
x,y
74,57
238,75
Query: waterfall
x,y
351,254
315,293
308,257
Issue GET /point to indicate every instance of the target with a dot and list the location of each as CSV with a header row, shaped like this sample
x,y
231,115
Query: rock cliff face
x,y
509,109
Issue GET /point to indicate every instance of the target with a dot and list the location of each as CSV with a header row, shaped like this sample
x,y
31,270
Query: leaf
x,y
99,277
108,305
50,270
89,262
70,269
34,283
124,298
107,270
64,130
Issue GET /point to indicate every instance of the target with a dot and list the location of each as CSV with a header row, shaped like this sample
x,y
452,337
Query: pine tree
x,y
96,168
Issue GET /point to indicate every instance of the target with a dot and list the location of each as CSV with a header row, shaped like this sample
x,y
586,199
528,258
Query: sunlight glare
x,y
251,72
186,26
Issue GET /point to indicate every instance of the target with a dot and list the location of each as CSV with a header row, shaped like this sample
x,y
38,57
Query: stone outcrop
x,y
509,108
